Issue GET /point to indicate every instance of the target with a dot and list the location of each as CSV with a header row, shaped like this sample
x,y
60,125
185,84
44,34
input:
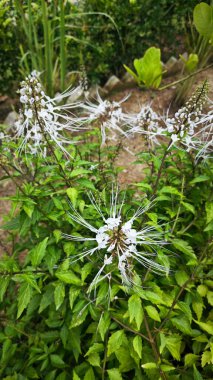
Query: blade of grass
x,y
62,46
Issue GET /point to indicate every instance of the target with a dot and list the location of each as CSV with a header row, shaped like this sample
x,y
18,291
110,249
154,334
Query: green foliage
x,y
148,68
203,16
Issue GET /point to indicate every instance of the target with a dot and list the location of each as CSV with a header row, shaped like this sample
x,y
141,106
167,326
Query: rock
x,y
76,96
174,65
112,83
96,89
127,78
11,119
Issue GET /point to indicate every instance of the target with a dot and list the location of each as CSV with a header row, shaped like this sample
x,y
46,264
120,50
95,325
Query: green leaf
x,y
79,171
86,183
59,294
203,20
200,178
182,324
103,324
150,365
24,296
57,361
131,72
181,277
153,313
89,375
186,309
197,375
75,376
149,68
170,190
190,359
198,309
126,361
208,327
184,247
96,347
172,343
137,345
94,359
37,254
202,290
209,212
210,297
73,294
135,310
73,195
188,207
114,374
4,282
207,358
68,277
115,341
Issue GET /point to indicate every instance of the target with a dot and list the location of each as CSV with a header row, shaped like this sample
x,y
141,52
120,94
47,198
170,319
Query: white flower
x,y
122,245
107,115
42,118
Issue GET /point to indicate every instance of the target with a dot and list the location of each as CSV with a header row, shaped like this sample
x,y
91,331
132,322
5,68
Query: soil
x,y
160,101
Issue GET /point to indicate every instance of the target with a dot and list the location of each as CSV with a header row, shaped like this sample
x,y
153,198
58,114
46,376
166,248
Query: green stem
x,y
62,46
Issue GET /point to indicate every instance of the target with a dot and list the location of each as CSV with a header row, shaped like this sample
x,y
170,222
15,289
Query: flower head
x,y
106,114
118,242
41,117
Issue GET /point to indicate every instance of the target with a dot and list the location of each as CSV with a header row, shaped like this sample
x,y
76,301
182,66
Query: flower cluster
x,y
182,127
107,115
122,245
41,117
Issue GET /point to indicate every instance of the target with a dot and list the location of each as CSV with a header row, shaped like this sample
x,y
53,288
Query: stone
x,y
96,89
113,83
11,119
127,78
174,65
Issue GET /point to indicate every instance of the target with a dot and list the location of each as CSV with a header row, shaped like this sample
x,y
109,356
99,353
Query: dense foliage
x,y
101,34
147,315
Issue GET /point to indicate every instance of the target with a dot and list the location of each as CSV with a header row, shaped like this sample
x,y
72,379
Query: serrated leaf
x,y
170,190
96,347
153,313
73,195
188,207
57,361
201,178
75,376
210,297
24,296
73,294
150,365
182,324
137,345
86,183
184,247
37,254
202,290
59,294
190,359
207,358
89,375
115,341
135,310
4,282
68,277
103,324
198,309
208,327
114,374
94,359
181,277
172,343
79,171
186,309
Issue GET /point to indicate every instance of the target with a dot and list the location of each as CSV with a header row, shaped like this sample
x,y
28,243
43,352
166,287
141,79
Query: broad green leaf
x,y
38,252
24,296
150,365
149,67
170,190
86,183
209,212
89,375
75,376
184,247
96,347
137,345
186,309
207,358
68,277
198,309
153,313
94,359
79,171
114,374
126,361
135,310
172,343
167,367
196,373
78,318
115,341
188,207
59,294
182,324
57,361
181,277
131,72
208,327
73,195
190,359
210,297
203,19
202,290
201,178
191,63
103,324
